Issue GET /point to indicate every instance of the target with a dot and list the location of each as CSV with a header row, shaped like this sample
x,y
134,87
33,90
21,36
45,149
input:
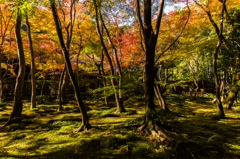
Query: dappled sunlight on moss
x,y
47,133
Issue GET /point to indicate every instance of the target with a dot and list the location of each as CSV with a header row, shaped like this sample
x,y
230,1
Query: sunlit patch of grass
x,y
47,133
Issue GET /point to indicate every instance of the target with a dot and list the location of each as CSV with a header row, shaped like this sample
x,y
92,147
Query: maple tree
x,y
65,49
6,26
17,106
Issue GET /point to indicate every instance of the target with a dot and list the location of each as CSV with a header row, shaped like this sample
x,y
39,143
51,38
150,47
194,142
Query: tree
x,y
5,22
150,36
85,121
17,106
219,32
120,107
33,78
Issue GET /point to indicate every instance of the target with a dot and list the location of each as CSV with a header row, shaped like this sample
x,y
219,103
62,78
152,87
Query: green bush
x,y
209,95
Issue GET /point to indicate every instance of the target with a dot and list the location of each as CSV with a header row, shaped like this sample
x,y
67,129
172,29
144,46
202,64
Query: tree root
x,y
156,130
83,128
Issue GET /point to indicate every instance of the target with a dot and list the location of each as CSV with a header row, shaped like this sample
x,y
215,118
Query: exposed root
x,y
118,111
12,121
156,130
83,128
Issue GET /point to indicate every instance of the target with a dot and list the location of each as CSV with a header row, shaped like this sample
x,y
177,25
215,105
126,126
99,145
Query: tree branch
x,y
159,18
177,36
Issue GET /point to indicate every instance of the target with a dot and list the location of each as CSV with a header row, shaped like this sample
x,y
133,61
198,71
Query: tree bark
x,y
120,107
64,84
17,105
160,97
1,78
104,79
233,91
219,32
79,51
60,89
117,63
85,121
44,81
150,39
223,84
194,79
166,76
33,78
219,103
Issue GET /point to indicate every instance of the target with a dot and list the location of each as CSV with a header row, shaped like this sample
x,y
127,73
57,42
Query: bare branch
x,y
177,36
139,16
159,18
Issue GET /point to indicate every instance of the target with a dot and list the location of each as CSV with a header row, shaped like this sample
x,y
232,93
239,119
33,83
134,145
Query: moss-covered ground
x,y
47,133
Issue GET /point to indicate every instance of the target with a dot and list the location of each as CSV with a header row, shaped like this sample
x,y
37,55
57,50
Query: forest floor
x,y
47,133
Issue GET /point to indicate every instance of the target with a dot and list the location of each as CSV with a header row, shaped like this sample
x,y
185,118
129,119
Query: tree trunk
x,y
104,79
194,79
223,84
44,81
64,84
79,51
17,105
33,78
160,73
157,95
166,76
219,32
149,85
118,66
233,91
85,121
120,107
60,89
160,97
219,103
1,78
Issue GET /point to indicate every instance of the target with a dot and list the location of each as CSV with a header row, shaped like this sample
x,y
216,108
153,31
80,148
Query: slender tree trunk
x,y
33,78
44,81
17,105
160,97
1,79
219,103
85,121
79,51
60,89
219,32
120,107
157,95
233,91
223,84
64,84
118,66
54,77
194,79
166,76
104,79
160,73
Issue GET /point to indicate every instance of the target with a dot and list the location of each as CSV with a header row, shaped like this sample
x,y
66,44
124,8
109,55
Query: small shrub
x,y
209,95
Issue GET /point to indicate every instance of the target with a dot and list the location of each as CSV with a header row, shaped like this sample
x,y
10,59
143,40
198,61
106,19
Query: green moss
x,y
46,135
18,136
